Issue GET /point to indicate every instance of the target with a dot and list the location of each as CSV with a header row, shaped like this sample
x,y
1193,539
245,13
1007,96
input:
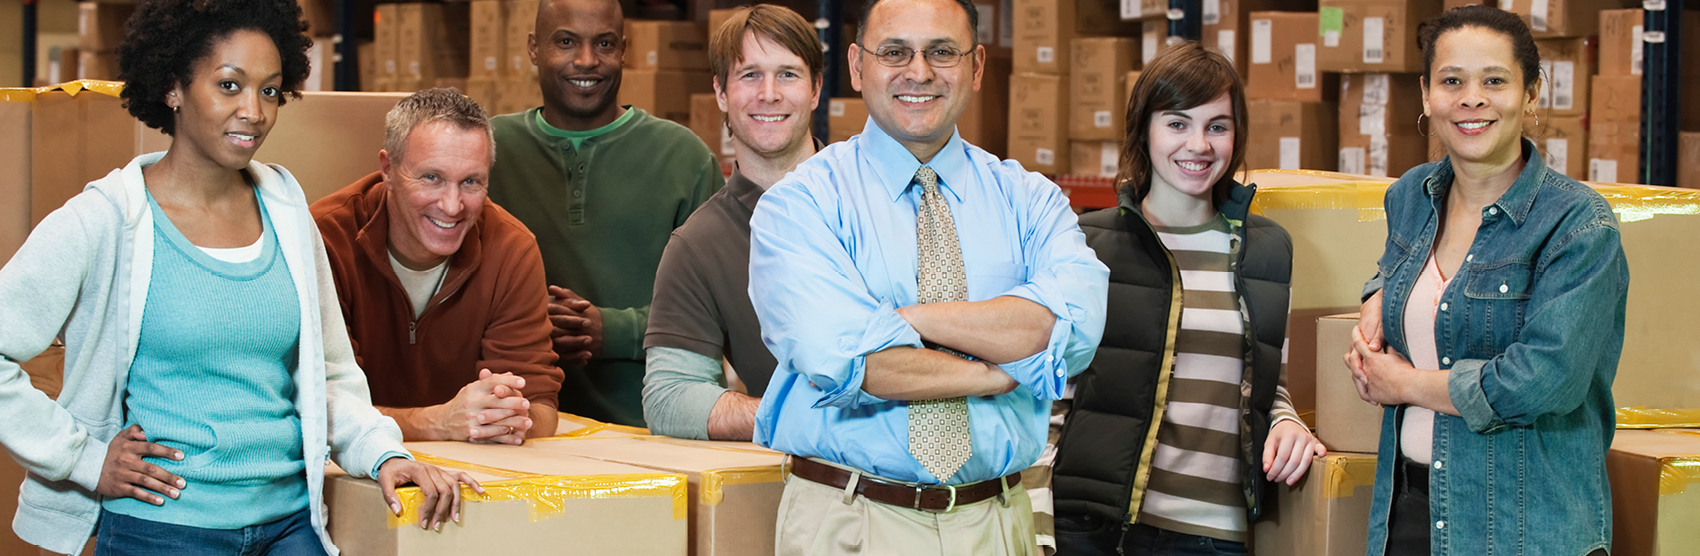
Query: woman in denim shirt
x,y
1500,298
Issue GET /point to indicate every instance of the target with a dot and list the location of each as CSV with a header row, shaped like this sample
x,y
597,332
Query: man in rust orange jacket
x,y
440,286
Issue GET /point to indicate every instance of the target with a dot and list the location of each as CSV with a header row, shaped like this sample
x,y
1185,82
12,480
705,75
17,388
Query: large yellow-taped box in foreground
x,y
735,487
1655,492
535,501
1325,514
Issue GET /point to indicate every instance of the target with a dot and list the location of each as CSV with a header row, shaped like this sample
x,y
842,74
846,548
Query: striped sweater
x,y
1195,472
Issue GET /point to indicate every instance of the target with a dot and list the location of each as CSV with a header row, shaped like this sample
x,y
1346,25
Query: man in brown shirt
x,y
439,286
766,62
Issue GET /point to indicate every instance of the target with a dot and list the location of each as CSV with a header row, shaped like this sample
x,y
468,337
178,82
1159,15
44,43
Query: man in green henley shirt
x,y
602,186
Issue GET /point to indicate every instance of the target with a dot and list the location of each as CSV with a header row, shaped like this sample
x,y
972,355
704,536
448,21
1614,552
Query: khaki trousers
x,y
818,520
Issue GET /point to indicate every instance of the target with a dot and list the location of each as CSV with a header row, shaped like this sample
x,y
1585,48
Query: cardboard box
x,y
521,20
1132,10
320,16
1153,40
734,490
1567,65
576,426
76,140
1227,25
100,26
1098,110
368,64
1614,141
484,91
1560,18
486,41
1292,135
61,64
433,41
321,67
97,65
1282,61
846,117
386,45
666,45
517,94
1325,514
1094,158
664,93
1655,491
1687,160
985,123
1563,140
15,222
1620,42
709,124
1043,29
992,16
1378,124
535,498
1344,421
1127,93
1372,35
716,18
1038,122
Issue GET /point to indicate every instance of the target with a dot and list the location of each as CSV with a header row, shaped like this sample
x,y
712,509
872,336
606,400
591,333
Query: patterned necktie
x,y
938,429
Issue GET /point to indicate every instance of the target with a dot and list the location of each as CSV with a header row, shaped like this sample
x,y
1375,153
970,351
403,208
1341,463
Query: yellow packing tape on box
x,y
1677,473
592,426
26,94
1632,203
1346,473
1644,418
546,493
714,481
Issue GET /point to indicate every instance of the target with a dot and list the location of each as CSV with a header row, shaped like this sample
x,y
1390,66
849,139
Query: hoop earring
x,y
1420,126
1537,118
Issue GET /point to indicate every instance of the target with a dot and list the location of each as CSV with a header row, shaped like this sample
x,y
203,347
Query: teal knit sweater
x,y
213,376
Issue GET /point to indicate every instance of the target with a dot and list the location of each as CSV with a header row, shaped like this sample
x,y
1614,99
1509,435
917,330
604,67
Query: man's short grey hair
x,y
434,105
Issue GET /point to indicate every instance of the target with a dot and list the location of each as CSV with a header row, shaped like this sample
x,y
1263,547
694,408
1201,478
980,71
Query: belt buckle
x,y
947,508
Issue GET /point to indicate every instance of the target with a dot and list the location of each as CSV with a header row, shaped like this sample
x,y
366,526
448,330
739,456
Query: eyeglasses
x,y
900,56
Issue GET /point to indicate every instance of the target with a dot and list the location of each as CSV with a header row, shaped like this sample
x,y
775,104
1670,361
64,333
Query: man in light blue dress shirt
x,y
834,270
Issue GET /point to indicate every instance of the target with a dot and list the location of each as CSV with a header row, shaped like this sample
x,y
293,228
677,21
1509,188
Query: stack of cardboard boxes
x,y
1044,57
1373,42
1097,111
1293,106
666,63
419,46
100,27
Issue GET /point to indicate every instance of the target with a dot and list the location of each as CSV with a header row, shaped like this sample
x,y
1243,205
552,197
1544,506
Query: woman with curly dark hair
x,y
195,300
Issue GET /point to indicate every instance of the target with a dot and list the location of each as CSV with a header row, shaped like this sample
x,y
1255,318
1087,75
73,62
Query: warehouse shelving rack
x,y
1661,77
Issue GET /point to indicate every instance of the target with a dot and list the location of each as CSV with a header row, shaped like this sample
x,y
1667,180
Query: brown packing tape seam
x,y
546,494
1644,418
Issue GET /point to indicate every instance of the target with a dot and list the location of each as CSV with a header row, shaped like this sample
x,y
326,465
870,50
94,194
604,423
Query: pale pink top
x,y
1416,433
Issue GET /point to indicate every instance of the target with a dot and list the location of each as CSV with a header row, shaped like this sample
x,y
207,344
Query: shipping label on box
x,y
1038,122
1291,135
1325,514
1283,59
100,25
1566,65
1098,109
1371,35
1148,9
533,498
486,42
1563,142
846,117
666,45
1382,140
1561,18
1655,491
1620,42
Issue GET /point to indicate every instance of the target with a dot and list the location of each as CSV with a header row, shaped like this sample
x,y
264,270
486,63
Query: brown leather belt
x,y
932,498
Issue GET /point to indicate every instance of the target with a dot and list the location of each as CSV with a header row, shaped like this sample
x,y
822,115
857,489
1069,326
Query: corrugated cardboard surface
x,y
489,26
76,140
1687,161
1344,422
521,20
845,118
1038,122
666,45
1398,36
615,525
1325,514
1097,109
1620,35
1562,18
1285,132
1655,492
14,177
100,26
664,93
1568,64
741,522
1274,64
1564,143
709,124
1043,29
985,123
1386,106
1614,138
1228,28
1094,158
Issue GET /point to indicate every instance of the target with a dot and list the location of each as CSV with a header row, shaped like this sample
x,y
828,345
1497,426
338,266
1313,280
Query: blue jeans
x,y
1090,535
122,535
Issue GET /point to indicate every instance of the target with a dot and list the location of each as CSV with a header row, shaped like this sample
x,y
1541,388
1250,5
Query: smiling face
x,y
917,104
1475,97
1191,149
768,98
231,101
578,47
437,191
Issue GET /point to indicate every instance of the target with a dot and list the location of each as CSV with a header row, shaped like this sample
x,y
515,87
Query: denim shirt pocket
x,y
1498,294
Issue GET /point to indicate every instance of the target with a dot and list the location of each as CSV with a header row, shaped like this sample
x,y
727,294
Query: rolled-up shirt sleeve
x,y
1066,278
817,316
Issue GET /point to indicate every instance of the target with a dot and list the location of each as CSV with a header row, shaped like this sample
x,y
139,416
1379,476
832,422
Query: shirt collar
x,y
896,166
746,191
1516,201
